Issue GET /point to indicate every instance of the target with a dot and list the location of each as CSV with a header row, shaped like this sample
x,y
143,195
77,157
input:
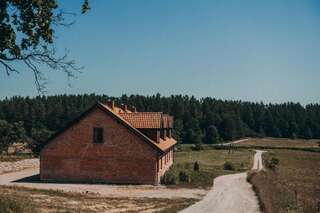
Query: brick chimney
x,y
124,107
110,103
133,109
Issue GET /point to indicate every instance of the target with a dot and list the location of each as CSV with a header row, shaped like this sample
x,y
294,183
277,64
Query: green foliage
x,y
27,37
184,177
198,147
212,135
10,133
39,136
273,163
293,135
196,166
195,121
228,166
85,6
169,178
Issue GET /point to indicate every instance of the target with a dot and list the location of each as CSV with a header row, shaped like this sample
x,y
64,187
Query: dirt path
x,y
230,194
257,163
30,179
6,167
233,142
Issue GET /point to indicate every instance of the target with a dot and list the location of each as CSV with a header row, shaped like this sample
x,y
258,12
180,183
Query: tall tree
x,y
212,135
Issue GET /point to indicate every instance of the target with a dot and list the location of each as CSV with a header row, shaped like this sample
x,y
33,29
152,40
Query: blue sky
x,y
244,50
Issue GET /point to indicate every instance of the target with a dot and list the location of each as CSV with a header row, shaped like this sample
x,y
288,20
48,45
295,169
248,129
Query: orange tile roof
x,y
118,110
163,145
140,120
167,143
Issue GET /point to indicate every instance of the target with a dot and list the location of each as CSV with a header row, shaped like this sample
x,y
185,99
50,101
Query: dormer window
x,y
98,135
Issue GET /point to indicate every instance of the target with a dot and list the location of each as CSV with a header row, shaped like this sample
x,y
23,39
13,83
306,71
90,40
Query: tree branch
x,y
43,57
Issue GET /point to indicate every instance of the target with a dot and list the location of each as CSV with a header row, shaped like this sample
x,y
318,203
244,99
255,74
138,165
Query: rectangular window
x,y
98,135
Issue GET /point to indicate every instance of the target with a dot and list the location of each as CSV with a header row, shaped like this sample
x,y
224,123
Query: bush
x,y
196,166
242,165
228,166
294,136
273,163
169,178
184,177
198,147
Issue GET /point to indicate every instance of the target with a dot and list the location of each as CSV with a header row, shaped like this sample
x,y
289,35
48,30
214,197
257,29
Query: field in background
x,y
294,186
211,165
280,142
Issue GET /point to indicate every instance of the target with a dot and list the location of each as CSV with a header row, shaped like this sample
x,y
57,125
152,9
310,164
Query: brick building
x,y
110,144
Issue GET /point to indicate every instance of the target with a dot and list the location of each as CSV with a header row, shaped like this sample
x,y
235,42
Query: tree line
x,y
205,120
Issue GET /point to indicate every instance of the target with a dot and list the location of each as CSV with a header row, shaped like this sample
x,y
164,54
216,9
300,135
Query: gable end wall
x,y
122,158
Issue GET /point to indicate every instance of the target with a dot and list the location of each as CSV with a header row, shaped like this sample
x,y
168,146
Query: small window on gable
x,y
98,135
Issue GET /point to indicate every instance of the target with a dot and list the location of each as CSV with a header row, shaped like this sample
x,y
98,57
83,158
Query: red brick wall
x,y
122,158
167,161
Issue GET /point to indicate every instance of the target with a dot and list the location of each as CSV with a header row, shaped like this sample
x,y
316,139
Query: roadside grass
x,y
21,199
15,157
14,202
211,165
292,187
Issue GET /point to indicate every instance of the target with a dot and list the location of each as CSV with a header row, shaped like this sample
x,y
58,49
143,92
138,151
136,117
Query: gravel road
x,y
132,191
233,142
6,167
230,194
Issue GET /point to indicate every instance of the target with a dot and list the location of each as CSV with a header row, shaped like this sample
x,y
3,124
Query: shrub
x,y
184,177
196,166
169,178
228,166
241,164
293,136
273,163
198,147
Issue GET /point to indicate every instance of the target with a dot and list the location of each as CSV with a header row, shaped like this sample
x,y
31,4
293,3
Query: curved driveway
x,y
230,194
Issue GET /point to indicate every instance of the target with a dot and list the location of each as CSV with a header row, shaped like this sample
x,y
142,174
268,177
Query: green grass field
x,y
294,186
211,164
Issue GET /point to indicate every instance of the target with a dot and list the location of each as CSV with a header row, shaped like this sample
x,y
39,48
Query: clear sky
x,y
238,49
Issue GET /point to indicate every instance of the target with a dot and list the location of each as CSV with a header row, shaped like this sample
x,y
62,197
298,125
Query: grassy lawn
x,y
25,200
211,165
294,186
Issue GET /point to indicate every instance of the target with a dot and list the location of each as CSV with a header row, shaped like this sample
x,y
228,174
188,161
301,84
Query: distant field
x,y
280,142
211,165
294,187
